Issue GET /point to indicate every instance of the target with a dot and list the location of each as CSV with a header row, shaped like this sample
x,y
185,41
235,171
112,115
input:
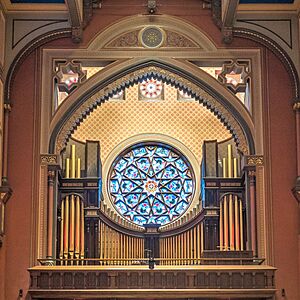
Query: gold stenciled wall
x,y
187,121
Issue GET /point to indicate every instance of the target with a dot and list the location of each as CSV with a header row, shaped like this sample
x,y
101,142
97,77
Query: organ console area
x,y
214,231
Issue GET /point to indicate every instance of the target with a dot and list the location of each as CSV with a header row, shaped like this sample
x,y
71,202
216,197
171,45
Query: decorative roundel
x,y
151,88
152,37
151,184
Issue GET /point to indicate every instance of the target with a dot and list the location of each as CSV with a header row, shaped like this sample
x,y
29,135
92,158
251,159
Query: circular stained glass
x,y
152,37
151,184
151,88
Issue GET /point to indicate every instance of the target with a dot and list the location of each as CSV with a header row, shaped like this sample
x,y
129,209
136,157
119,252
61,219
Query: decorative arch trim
x,y
83,104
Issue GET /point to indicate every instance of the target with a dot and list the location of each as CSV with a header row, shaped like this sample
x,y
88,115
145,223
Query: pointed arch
x,y
182,75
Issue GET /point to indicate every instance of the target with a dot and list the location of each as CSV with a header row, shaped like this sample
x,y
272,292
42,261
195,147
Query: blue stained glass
x,y
132,199
132,172
181,165
121,165
158,164
151,184
143,164
188,186
158,208
121,207
162,151
170,199
174,186
114,186
139,220
143,208
170,172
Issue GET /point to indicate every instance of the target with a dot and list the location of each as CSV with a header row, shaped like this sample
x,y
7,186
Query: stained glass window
x,y
151,88
151,184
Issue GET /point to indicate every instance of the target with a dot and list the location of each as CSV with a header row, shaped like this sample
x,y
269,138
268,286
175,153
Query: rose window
x,y
151,184
151,88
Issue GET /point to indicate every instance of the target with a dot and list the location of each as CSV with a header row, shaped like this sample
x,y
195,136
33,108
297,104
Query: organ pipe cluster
x,y
231,210
72,218
184,248
117,248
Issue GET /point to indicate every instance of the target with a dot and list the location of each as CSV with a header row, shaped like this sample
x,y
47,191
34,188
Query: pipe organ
x,y
183,248
119,248
91,232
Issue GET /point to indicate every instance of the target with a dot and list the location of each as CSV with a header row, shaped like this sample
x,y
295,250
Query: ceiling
x,y
59,5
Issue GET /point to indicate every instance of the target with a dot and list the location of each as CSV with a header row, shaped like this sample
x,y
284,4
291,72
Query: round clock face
x,y
151,88
151,184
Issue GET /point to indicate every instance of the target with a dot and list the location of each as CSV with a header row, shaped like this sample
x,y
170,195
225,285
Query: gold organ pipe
x,y
167,248
225,224
162,249
112,244
101,241
68,168
66,229
231,224
202,237
61,253
73,161
170,250
131,248
221,227
77,227
187,246
104,241
235,168
198,241
175,249
184,248
82,231
195,244
237,226
126,248
72,228
241,226
78,168
229,158
224,167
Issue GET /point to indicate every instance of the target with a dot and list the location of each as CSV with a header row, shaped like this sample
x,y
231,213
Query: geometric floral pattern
x,y
151,184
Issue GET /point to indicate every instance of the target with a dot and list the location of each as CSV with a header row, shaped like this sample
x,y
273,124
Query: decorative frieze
x,y
254,160
49,159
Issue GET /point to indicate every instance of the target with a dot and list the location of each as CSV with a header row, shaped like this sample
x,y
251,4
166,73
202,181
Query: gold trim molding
x,y
49,159
254,160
